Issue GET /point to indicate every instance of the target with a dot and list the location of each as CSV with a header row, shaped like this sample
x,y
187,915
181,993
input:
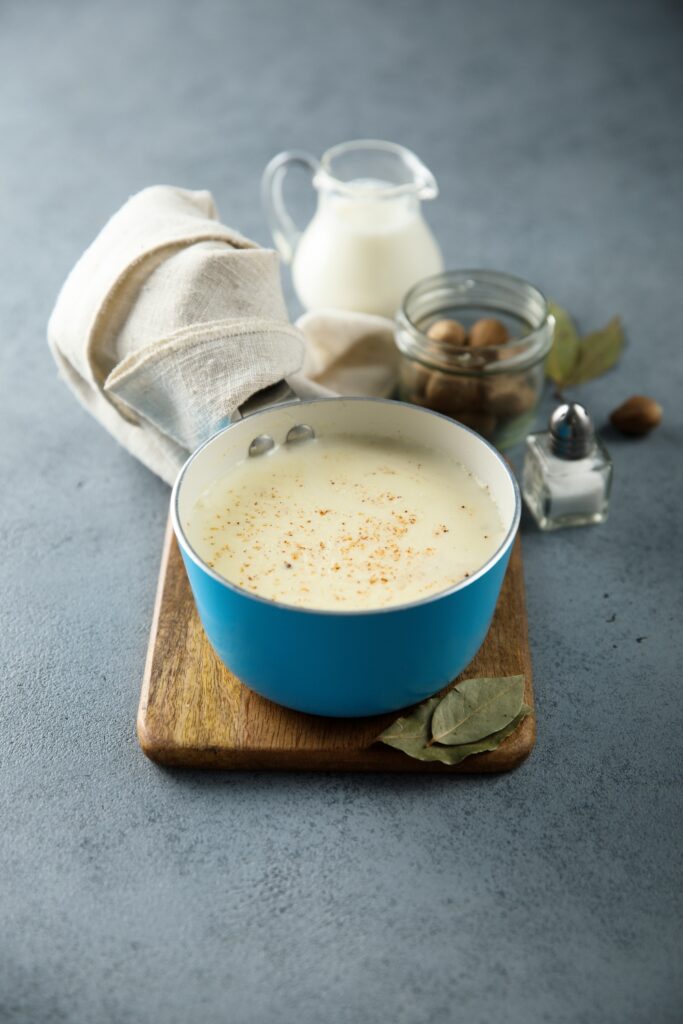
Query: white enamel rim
x,y
495,557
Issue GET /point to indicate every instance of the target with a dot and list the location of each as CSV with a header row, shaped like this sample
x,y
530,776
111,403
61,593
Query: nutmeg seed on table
x,y
636,416
451,331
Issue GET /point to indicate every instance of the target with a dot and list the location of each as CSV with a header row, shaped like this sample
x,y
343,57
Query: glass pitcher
x,y
367,243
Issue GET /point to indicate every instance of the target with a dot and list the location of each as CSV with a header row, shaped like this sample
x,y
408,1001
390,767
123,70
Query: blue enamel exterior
x,y
346,664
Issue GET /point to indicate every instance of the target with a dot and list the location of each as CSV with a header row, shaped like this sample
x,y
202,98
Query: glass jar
x,y
493,389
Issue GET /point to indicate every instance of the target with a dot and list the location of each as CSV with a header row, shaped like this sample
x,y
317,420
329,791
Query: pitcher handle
x,y
285,233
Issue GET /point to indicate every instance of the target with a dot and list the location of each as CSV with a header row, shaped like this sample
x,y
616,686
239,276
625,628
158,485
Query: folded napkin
x,y
171,321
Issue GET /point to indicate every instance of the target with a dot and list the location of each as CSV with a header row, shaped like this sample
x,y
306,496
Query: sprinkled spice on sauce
x,y
346,523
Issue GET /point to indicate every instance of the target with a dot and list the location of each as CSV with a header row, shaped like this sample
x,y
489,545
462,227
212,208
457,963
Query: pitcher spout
x,y
373,166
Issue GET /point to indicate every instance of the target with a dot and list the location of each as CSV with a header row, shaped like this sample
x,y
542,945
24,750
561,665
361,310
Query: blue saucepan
x,y
353,662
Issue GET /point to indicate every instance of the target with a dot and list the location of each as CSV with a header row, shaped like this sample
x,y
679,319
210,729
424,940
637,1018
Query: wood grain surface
x,y
194,712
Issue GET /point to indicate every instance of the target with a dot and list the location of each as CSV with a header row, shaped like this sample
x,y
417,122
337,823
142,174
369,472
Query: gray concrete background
x,y
133,894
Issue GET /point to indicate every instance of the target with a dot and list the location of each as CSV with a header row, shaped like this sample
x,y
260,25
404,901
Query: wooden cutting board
x,y
194,712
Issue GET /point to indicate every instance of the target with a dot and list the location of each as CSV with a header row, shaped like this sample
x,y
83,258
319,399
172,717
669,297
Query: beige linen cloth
x,y
170,321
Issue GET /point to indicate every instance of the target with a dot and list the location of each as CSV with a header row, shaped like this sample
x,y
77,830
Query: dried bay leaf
x,y
573,360
598,353
412,736
477,708
496,701
411,733
454,755
564,353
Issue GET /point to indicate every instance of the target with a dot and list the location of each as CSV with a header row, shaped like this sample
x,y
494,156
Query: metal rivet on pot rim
x,y
261,444
300,432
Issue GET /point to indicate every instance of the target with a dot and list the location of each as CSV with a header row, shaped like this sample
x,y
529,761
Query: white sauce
x,y
346,523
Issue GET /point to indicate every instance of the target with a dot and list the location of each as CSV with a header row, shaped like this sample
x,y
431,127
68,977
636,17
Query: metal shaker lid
x,y
571,431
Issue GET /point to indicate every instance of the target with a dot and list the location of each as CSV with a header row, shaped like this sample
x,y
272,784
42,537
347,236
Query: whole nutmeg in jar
x,y
472,345
488,331
450,397
451,331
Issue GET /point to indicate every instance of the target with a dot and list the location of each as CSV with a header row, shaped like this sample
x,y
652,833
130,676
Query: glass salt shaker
x,y
567,471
